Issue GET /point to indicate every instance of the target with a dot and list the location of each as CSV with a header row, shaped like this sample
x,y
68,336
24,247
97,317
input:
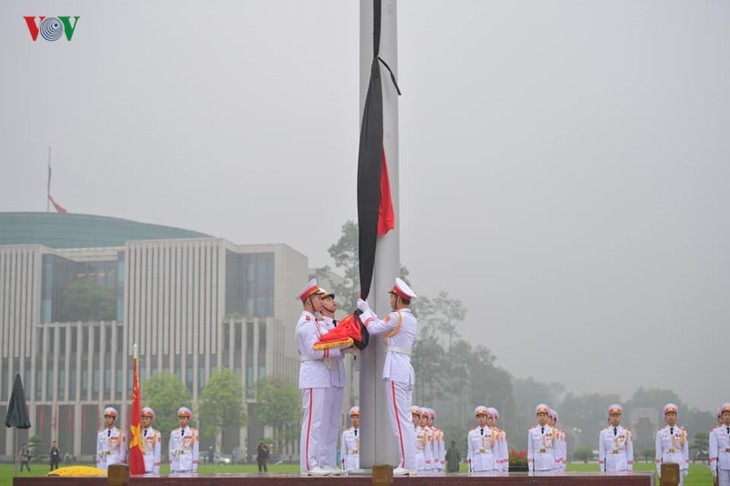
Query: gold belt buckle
x,y
542,451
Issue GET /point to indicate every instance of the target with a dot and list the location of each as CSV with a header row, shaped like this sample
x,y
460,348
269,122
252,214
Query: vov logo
x,y
51,28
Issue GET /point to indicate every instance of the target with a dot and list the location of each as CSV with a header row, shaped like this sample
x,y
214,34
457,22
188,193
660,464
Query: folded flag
x,y
349,332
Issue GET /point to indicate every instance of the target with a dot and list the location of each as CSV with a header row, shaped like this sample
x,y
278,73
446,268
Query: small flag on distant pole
x,y
136,454
59,208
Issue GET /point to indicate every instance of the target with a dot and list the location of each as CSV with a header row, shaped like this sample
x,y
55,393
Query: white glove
x,y
363,305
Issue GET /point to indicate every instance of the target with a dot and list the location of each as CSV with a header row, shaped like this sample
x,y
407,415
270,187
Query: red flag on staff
x,y
136,455
374,201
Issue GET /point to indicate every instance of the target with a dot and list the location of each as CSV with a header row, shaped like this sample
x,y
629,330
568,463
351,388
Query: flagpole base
x,y
118,475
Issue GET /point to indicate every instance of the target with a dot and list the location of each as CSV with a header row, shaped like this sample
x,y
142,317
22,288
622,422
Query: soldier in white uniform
x,y
671,443
111,443
316,373
480,455
541,443
184,447
426,441
399,329
720,448
439,448
560,448
615,444
151,442
350,444
501,448
420,435
335,394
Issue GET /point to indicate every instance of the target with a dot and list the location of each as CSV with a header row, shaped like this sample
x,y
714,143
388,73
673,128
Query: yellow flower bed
x,y
77,471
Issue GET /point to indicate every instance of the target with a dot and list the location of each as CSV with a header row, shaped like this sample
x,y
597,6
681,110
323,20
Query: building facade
x,y
192,303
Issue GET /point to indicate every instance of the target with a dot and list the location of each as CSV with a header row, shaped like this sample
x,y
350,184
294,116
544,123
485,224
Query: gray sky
x,y
562,163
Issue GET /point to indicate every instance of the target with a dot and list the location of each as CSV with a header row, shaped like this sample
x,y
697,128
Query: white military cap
x,y
481,410
148,412
725,407
355,411
554,414
425,412
309,290
402,290
670,408
184,412
542,408
615,409
432,412
111,411
324,293
416,410
494,412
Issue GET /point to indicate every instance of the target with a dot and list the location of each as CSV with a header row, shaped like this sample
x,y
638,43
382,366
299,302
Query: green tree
x,y
221,403
165,394
346,257
648,455
700,444
277,406
83,300
584,454
654,398
35,444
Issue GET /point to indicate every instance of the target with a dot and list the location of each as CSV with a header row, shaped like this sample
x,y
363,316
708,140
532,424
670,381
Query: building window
x,y
262,349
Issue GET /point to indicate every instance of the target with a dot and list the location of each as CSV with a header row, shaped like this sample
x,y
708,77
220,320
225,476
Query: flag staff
x,y
378,446
48,186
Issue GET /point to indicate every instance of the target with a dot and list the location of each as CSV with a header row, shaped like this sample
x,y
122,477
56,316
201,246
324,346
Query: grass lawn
x,y
699,474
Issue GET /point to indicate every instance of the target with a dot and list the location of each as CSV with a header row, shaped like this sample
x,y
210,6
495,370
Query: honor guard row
x,y
430,448
111,443
546,444
487,449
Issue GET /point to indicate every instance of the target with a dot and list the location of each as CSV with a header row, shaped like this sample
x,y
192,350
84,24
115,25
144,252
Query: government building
x,y
193,303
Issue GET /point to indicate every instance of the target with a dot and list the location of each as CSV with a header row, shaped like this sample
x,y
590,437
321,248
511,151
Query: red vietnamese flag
x,y
136,455
386,215
374,200
59,208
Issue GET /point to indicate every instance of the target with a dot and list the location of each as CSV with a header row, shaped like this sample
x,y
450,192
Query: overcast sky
x,y
563,164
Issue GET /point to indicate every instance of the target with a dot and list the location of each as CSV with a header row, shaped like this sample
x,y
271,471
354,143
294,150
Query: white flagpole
x,y
48,186
378,444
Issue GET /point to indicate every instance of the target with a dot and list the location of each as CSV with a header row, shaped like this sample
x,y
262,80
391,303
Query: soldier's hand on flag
x,y
363,305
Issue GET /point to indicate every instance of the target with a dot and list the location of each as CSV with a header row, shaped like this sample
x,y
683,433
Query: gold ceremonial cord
x,y
396,330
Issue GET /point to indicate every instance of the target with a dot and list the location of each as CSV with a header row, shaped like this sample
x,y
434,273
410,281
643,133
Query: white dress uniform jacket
x,y
184,450
672,447
481,453
350,449
541,449
111,448
615,449
318,368
151,448
720,454
403,325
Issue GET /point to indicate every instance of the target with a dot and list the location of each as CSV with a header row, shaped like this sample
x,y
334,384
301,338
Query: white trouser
x,y
399,397
334,398
312,437
723,477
